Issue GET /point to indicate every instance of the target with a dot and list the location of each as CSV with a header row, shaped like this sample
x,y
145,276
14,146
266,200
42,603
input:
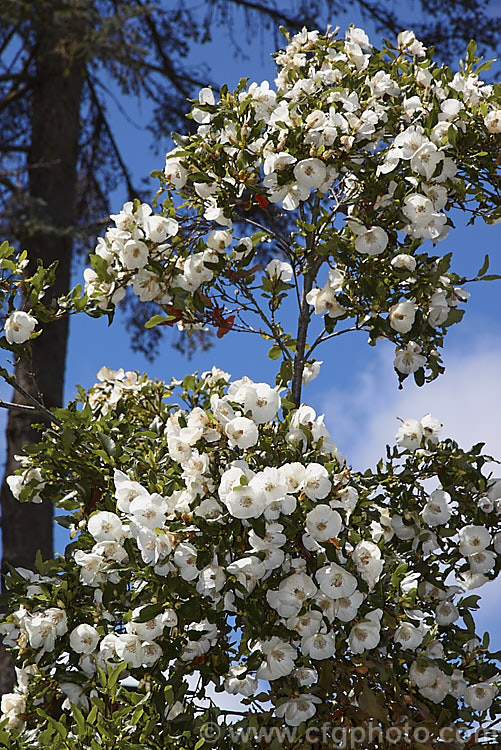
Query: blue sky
x,y
357,387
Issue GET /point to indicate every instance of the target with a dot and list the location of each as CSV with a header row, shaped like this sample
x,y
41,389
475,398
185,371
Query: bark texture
x,y
52,164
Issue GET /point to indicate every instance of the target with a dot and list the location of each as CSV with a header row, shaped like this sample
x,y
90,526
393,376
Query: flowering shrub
x,y
364,153
221,545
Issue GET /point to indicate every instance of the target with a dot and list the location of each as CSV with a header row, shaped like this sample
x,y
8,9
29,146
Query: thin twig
x,y
36,404
20,407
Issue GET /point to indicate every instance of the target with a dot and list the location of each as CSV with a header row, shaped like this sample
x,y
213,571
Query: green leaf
x,y
274,352
149,613
68,437
485,266
79,719
419,377
107,443
157,320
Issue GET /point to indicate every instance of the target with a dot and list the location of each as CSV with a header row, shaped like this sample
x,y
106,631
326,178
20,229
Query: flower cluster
x,y
228,538
360,154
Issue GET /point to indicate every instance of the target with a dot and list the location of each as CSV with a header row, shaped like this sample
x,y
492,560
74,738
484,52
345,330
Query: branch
x,y
387,20
271,232
37,406
321,338
133,193
20,407
274,13
168,67
312,266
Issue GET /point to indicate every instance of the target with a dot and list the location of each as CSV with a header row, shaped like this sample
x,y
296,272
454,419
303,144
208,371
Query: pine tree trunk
x,y
52,164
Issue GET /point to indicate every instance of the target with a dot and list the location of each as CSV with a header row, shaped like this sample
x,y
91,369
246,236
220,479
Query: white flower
x,y
311,371
473,539
277,269
346,607
358,36
219,239
129,649
238,681
176,709
17,482
271,483
174,172
404,262
366,634
241,432
470,580
446,613
151,653
260,399
438,509
439,688
480,696
371,241
318,646
84,639
409,359
92,566
323,523
293,474
12,707
148,630
134,254
105,526
492,121
406,40
126,490
298,709
367,558
277,162
305,676
245,501
248,571
279,661
211,580
335,581
426,159
149,510
458,684
308,624
291,595
158,228
324,301
238,474
310,173
185,557
42,631
482,562
410,434
418,209
409,636
19,326
316,484
205,96
422,675
431,428
401,316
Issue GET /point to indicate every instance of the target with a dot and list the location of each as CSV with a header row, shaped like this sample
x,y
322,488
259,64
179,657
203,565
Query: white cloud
x,y
466,399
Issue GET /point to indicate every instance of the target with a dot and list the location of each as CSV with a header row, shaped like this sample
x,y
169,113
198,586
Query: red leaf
x,y
225,326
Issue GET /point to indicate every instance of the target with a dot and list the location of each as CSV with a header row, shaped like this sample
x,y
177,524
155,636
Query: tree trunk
x,y
52,164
